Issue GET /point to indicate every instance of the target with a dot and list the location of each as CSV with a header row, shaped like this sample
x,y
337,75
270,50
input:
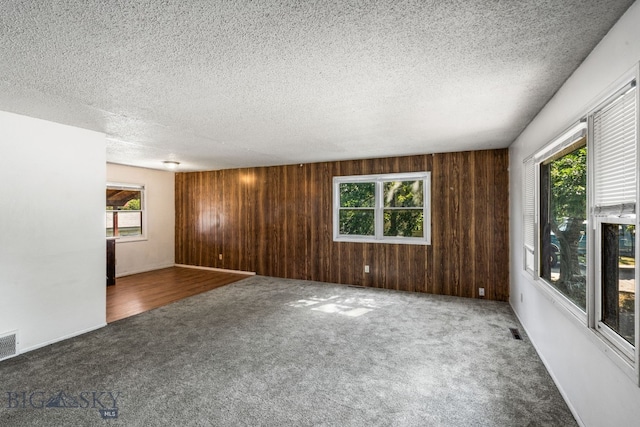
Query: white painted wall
x,y
158,249
596,389
52,244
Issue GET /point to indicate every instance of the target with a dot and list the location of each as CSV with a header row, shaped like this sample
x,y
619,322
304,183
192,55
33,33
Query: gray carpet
x,y
275,352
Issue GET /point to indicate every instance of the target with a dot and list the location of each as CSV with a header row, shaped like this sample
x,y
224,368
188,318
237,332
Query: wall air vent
x,y
8,345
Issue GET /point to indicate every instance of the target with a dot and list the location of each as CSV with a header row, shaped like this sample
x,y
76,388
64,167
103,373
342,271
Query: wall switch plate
x,y
366,268
481,292
219,256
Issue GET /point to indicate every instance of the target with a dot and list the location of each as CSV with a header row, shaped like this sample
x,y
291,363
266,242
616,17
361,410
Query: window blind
x,y
529,203
615,155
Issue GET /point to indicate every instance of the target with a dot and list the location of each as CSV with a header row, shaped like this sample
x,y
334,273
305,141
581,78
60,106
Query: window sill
x,y
394,241
129,239
560,299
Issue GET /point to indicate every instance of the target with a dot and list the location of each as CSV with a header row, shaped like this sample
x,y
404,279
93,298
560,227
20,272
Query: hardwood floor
x,y
145,291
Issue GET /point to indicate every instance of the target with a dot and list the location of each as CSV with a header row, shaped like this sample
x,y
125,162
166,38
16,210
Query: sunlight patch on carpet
x,y
351,307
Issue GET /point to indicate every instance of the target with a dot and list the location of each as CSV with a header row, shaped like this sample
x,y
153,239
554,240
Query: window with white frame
x,y
580,220
125,211
390,208
563,214
615,139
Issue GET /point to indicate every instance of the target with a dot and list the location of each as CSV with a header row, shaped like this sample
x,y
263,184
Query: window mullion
x,y
379,211
636,359
593,243
426,208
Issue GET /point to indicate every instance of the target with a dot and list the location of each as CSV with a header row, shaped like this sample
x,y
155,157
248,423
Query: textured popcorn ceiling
x,y
224,84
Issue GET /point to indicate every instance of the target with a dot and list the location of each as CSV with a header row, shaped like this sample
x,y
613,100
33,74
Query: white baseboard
x,y
62,338
144,269
548,367
224,270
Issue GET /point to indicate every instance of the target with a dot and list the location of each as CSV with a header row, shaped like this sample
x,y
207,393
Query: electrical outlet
x,y
219,256
366,268
481,292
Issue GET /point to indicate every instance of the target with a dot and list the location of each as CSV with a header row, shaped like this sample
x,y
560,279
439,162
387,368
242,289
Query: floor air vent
x,y
515,333
8,345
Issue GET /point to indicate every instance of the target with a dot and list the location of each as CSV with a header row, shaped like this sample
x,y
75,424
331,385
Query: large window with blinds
x,y
615,164
580,220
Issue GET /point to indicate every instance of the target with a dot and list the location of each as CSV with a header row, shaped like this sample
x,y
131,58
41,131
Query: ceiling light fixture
x,y
171,164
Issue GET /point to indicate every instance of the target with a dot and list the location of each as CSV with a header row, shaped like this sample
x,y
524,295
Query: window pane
x,y
563,183
618,279
129,223
403,223
118,199
405,194
358,222
357,194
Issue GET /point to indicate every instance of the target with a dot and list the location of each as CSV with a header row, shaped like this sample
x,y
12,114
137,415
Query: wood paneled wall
x,y
277,221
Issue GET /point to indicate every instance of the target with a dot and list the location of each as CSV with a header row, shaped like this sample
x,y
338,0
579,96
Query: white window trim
x,y
379,207
143,204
